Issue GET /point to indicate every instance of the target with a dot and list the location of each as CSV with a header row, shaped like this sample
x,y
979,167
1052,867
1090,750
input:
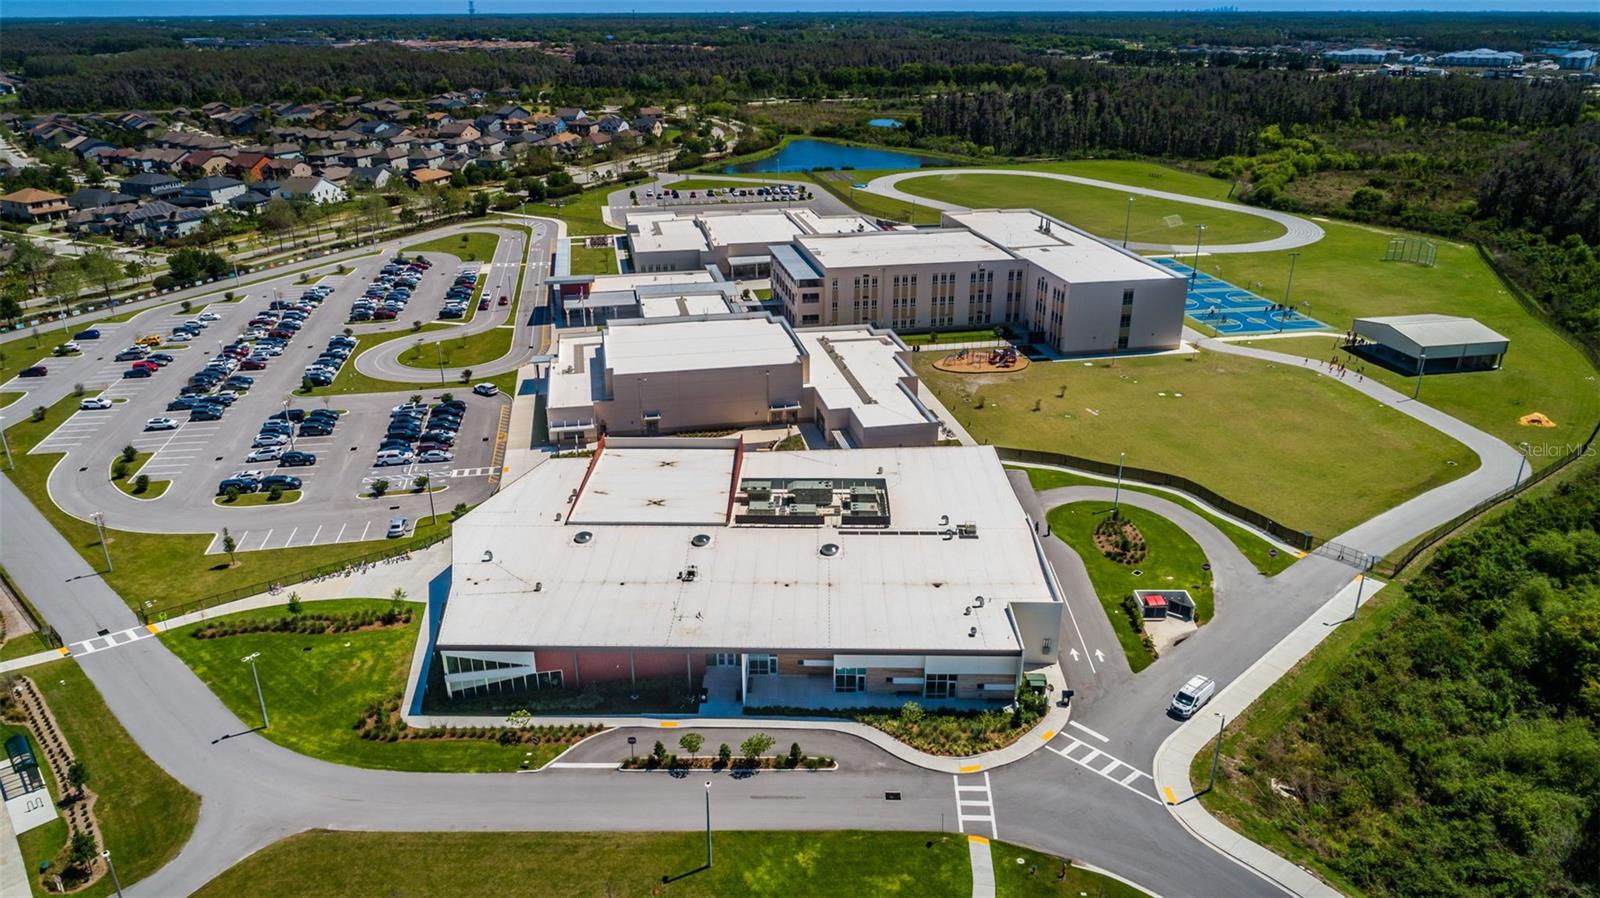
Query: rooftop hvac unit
x,y
968,530
972,632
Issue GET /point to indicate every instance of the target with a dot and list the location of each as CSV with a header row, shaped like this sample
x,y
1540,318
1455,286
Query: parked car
x,y
132,354
162,358
35,371
1192,696
316,429
242,484
67,348
297,459
95,402
282,481
269,439
206,413
161,424
137,372
486,389
435,455
182,404
90,334
397,527
265,453
388,457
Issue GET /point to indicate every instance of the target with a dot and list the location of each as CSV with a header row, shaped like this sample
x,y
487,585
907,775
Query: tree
x,y
66,282
100,268
420,483
379,487
754,747
375,211
135,270
81,850
277,218
129,453
141,484
480,204
691,742
724,754
77,775
29,260
12,295
796,756
37,413
228,545
294,605
659,752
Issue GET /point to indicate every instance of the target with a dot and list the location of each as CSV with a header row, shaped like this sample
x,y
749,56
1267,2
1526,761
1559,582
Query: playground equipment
x,y
1411,249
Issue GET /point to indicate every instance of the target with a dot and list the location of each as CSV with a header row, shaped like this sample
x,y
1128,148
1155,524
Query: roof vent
x,y
488,556
582,537
978,601
830,549
972,631
700,540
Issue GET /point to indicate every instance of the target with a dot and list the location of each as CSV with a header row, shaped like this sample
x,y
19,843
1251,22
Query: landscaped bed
x,y
953,733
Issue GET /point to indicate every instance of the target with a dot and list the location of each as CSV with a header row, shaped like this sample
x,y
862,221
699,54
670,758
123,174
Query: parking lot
x,y
195,455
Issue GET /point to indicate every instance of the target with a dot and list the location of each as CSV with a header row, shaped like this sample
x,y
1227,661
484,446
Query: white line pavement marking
x,y
1125,782
1076,725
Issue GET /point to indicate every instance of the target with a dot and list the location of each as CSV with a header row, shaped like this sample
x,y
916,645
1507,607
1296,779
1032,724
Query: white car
x,y
68,346
180,338
209,316
95,402
252,474
265,453
161,424
435,455
270,439
397,527
486,389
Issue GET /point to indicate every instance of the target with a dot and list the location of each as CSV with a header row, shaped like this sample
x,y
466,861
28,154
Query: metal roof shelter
x,y
1430,343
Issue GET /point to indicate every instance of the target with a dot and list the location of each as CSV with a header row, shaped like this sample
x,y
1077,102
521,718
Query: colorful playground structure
x,y
1235,311
984,360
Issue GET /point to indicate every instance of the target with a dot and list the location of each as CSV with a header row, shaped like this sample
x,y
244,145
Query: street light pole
x,y
100,525
433,514
1286,290
1127,222
250,659
1521,465
1361,585
438,352
1116,497
10,465
116,882
1199,229
1421,367
1217,755
708,824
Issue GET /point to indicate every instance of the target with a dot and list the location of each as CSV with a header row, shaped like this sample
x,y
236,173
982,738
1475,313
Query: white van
x,y
1193,696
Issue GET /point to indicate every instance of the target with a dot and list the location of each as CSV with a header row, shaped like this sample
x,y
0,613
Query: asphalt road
x,y
1298,231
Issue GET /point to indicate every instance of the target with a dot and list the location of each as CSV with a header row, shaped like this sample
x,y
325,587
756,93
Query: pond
x,y
806,155
884,123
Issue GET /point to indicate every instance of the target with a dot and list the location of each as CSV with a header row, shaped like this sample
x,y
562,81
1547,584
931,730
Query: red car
x,y
483,303
146,364
253,365
505,300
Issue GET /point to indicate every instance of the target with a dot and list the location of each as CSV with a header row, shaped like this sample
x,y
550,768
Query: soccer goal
x,y
1411,249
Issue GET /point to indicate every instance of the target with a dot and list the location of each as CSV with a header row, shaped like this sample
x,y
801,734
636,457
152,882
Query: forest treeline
x,y
1458,753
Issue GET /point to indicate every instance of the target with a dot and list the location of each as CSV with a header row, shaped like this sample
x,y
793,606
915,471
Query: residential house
x,y
386,108
212,191
151,184
571,114
249,202
547,125
421,176
279,169
142,122
336,175
373,177
315,189
505,112
459,129
647,124
203,163
154,159
566,143
423,158
286,150
598,138
33,204
581,125
612,124
162,221
95,197
389,156
357,156
249,166
489,144
319,158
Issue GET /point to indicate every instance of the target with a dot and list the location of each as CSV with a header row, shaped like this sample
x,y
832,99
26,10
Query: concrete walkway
x,y
1297,231
13,869
27,661
982,867
1176,754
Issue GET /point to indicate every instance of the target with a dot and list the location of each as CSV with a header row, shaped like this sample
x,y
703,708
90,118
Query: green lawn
x,y
470,246
593,259
153,490
581,212
248,500
1173,562
166,569
8,398
459,352
586,865
1095,209
924,338
838,183
21,646
28,351
314,696
1268,559
145,815
1277,439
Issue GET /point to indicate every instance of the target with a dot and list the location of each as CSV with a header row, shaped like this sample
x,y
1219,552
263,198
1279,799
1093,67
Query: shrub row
x,y
305,624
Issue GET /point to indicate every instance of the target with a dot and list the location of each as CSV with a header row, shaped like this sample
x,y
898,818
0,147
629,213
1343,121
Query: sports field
x,y
1095,209
1279,439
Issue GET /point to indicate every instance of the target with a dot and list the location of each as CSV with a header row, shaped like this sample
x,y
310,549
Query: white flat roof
x,y
698,344
665,234
688,302
754,586
1063,251
890,248
613,282
656,486
748,227
831,224
870,359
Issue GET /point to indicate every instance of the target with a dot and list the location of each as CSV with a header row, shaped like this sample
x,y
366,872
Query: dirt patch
x,y
1536,419
983,361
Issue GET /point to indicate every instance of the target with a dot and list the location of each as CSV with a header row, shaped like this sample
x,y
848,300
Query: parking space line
x,y
364,530
290,541
315,535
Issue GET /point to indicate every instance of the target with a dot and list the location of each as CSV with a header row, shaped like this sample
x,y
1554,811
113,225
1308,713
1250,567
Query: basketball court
x,y
1231,310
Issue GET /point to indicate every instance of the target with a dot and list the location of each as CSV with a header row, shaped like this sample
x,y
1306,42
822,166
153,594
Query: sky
x,y
210,8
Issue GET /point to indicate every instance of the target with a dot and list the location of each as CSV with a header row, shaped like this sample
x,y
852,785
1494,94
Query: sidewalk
x,y
1177,753
13,870
27,661
1045,730
982,867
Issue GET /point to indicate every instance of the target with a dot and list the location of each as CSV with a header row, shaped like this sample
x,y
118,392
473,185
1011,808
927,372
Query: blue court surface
x,y
1231,310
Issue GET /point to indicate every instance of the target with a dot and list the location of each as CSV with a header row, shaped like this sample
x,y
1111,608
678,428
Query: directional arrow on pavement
x,y
1073,653
1099,656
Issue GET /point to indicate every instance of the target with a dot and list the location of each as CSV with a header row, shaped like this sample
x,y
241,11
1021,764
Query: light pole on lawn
x,y
1127,222
1361,585
1199,229
250,659
1222,723
438,353
1521,466
433,514
1422,366
116,881
1286,290
99,525
708,824
1116,497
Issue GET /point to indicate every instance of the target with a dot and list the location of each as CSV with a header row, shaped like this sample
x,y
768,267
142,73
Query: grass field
x,y
1173,562
250,500
1095,209
1267,558
586,865
593,259
21,646
153,489
314,696
145,815
1281,440
581,212
166,569
470,246
973,335
838,183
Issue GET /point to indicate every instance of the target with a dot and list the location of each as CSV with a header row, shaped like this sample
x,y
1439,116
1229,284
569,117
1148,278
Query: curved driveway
x,y
1297,231
514,254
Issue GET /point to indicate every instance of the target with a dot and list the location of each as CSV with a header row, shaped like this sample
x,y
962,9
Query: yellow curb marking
x,y
153,629
1171,798
971,768
64,650
980,840
1048,735
669,723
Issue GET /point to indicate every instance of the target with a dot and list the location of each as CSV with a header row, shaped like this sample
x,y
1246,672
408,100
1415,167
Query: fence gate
x,y
1356,558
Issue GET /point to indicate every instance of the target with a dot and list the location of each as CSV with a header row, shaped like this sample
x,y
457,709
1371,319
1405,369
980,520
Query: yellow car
x,y
149,340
